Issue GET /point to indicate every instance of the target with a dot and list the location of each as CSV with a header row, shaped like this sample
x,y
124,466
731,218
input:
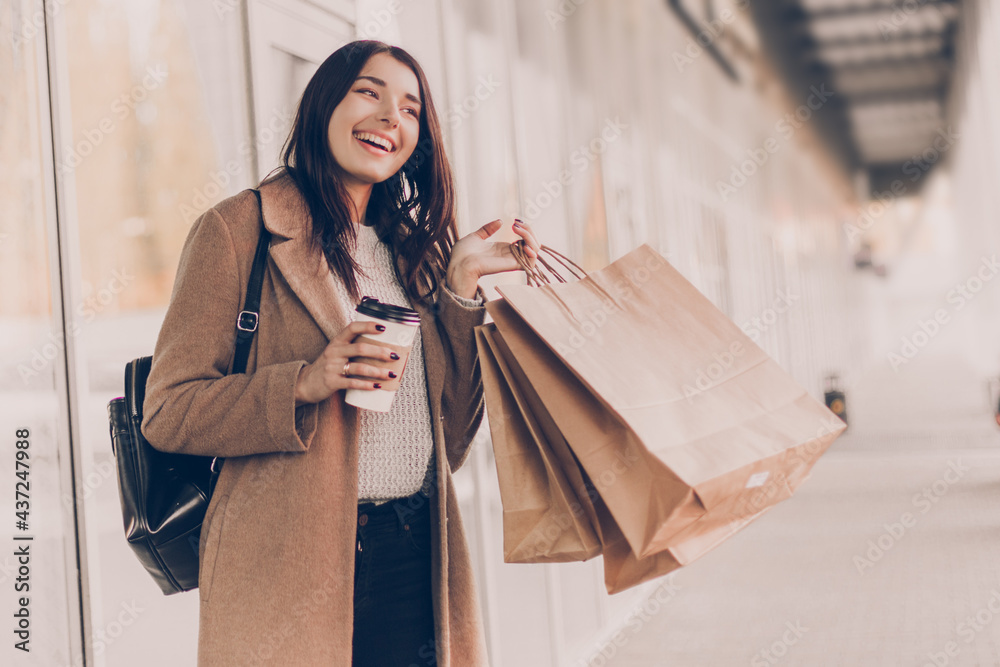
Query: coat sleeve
x,y
192,406
462,403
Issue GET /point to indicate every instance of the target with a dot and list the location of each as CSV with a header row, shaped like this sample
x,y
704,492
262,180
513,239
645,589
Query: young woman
x,y
334,536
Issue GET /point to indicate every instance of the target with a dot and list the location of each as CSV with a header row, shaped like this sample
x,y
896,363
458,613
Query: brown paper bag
x,y
685,426
622,568
542,517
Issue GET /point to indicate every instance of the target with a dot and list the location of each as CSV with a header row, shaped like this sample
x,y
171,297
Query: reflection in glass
x,y
156,139
38,520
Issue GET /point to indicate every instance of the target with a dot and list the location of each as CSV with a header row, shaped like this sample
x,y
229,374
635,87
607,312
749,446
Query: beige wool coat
x,y
278,542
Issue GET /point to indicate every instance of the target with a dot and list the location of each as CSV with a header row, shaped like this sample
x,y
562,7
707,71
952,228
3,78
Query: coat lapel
x,y
287,217
433,357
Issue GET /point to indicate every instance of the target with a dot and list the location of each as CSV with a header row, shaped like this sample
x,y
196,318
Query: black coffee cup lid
x,y
387,311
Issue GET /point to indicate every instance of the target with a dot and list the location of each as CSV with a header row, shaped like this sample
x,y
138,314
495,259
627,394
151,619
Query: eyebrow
x,y
379,82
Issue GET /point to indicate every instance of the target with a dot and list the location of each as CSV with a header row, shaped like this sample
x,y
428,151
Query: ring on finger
x,y
345,373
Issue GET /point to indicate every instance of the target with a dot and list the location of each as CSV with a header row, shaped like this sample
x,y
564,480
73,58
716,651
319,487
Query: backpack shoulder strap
x,y
246,322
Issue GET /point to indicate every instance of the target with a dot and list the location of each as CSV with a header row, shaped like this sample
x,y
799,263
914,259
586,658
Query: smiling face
x,y
375,128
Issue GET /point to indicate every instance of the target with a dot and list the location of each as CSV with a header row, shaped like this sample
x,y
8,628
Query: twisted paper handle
x,y
535,276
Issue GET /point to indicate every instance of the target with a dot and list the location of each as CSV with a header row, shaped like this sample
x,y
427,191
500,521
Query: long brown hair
x,y
413,211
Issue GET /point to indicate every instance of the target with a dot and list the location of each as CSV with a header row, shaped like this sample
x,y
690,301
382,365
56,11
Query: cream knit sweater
x,y
395,448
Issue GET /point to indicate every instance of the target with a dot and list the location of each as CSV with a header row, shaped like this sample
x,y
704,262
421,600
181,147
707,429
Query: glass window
x,y
156,105
38,507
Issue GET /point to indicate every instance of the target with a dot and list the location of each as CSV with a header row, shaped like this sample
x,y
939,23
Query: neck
x,y
360,194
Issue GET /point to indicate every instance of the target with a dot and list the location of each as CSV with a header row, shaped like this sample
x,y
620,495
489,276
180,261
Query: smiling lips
x,y
376,141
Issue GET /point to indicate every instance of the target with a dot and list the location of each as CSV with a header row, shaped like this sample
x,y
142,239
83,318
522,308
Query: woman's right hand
x,y
319,380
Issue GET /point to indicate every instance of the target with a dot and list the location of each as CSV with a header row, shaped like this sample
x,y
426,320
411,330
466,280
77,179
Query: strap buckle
x,y
247,321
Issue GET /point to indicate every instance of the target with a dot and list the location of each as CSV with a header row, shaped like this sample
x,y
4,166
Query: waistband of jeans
x,y
412,501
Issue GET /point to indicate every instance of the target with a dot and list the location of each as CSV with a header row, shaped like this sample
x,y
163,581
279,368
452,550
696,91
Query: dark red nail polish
x,y
378,386
380,327
393,355
391,374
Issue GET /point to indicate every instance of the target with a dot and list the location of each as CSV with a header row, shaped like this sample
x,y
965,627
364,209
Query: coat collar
x,y
287,217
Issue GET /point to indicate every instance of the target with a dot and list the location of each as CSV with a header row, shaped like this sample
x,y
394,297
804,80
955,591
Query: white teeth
x,y
375,139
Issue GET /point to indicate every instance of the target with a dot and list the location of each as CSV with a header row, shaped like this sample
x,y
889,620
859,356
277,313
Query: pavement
x,y
886,556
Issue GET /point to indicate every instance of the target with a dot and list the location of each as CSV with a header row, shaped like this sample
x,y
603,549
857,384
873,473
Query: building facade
x,y
605,123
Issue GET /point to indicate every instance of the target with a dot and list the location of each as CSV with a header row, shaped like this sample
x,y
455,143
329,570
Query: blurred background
x,y
823,170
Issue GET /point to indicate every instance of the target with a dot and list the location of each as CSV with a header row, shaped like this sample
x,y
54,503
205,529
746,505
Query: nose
x,y
389,114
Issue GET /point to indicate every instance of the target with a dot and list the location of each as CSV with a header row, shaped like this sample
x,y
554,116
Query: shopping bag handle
x,y
535,276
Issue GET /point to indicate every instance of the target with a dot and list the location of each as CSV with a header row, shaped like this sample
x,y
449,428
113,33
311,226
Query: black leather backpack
x,y
165,495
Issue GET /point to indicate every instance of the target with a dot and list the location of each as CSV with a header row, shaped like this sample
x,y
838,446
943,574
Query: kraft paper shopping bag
x,y
622,568
541,520
619,359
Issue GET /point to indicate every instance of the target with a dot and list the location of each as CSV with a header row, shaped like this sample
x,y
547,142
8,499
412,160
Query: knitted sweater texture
x,y
395,448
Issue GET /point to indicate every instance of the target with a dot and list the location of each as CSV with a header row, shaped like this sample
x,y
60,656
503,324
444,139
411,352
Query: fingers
x,y
353,330
356,353
355,383
325,376
371,351
362,376
363,359
531,244
341,350
489,229
367,371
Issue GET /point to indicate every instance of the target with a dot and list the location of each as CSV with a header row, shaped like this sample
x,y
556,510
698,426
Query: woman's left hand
x,y
473,256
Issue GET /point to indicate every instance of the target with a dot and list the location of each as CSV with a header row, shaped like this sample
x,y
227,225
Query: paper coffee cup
x,y
400,328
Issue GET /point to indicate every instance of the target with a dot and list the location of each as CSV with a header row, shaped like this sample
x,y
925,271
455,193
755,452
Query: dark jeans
x,y
393,612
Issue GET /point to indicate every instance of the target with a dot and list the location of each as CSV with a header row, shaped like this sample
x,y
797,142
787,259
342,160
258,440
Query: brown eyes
x,y
411,110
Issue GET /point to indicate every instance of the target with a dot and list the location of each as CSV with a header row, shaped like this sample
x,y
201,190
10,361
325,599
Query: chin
x,y
380,178
367,177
